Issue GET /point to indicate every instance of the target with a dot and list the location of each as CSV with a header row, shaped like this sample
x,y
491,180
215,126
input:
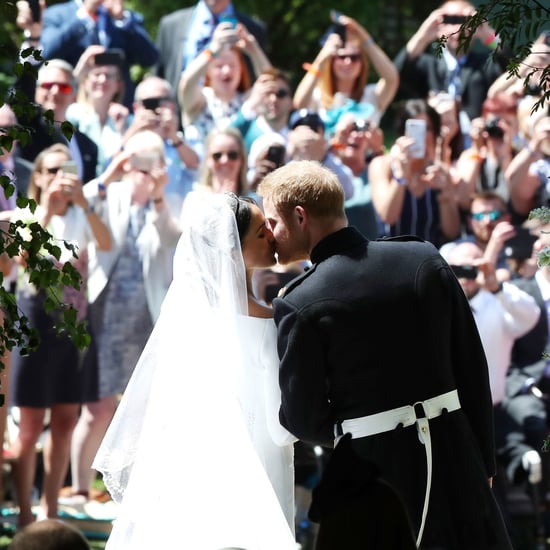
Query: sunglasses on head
x,y
281,93
231,155
494,215
353,57
61,86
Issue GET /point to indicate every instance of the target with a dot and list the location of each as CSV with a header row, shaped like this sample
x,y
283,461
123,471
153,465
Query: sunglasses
x,y
494,215
353,57
231,155
281,93
61,86
53,170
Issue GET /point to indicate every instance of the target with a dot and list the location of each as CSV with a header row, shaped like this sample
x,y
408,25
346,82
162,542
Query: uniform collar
x,y
337,243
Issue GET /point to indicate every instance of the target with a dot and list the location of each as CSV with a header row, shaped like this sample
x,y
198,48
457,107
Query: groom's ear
x,y
301,215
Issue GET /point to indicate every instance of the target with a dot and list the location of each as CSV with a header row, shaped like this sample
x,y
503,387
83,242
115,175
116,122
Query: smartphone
x,y
35,10
416,129
276,154
229,19
340,30
151,103
465,271
335,16
110,57
520,246
454,19
69,167
144,162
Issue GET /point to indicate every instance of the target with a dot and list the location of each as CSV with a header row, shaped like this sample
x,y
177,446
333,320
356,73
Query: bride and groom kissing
x,y
373,351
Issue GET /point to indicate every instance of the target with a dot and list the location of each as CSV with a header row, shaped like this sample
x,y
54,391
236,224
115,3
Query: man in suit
x,y
55,91
466,76
184,33
379,352
69,28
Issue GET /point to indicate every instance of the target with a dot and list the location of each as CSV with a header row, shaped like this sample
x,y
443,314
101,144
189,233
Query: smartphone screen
x,y
416,129
144,162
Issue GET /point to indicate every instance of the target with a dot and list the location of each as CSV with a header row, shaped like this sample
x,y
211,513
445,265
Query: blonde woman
x,y
340,72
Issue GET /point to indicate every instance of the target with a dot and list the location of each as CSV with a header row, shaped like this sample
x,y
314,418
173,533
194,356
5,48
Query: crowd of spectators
x,y
465,163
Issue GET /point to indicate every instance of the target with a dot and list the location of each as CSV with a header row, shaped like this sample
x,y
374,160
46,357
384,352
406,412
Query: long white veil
x,y
177,455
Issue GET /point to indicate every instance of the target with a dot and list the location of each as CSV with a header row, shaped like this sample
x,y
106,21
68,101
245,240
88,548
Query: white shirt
x,y
502,318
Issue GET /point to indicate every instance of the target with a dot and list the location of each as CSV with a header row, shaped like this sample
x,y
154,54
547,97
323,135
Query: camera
x,y
493,129
361,125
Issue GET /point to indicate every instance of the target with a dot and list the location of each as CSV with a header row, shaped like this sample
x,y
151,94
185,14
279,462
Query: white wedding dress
x,y
195,454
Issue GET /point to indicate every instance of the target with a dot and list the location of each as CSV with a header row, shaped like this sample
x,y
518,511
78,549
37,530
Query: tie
x,y
204,40
455,86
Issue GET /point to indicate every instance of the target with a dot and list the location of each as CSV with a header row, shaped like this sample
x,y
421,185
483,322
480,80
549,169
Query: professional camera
x,y
493,129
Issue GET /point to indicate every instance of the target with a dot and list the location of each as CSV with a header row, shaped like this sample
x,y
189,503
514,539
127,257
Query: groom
x,y
379,352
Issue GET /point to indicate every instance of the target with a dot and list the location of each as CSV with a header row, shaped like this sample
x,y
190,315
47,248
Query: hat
x,y
305,117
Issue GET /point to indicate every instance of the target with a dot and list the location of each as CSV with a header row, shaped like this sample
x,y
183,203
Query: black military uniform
x,y
377,325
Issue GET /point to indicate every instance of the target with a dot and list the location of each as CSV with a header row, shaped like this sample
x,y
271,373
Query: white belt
x,y
386,421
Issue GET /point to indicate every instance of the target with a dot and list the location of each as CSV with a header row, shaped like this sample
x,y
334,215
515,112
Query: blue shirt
x,y
203,23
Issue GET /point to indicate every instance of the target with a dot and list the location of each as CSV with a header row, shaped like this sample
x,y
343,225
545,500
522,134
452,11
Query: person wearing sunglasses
x,y
56,89
340,73
267,108
225,164
489,227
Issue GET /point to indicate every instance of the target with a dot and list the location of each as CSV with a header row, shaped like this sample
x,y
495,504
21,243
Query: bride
x,y
195,454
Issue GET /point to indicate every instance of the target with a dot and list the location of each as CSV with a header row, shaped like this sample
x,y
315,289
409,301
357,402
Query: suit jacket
x,y
65,36
172,34
375,325
528,350
42,138
156,242
428,72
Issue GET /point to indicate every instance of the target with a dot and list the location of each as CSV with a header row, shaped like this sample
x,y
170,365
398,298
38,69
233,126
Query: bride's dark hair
x,y
243,212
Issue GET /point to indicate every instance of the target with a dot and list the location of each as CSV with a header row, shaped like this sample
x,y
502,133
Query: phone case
x,y
416,129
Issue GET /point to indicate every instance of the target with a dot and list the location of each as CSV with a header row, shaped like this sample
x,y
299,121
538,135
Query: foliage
x,y
518,25
41,252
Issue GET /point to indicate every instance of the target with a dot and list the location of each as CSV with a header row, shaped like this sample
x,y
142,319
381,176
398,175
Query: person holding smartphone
x,y
340,73
412,188
127,282
215,84
466,76
67,29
